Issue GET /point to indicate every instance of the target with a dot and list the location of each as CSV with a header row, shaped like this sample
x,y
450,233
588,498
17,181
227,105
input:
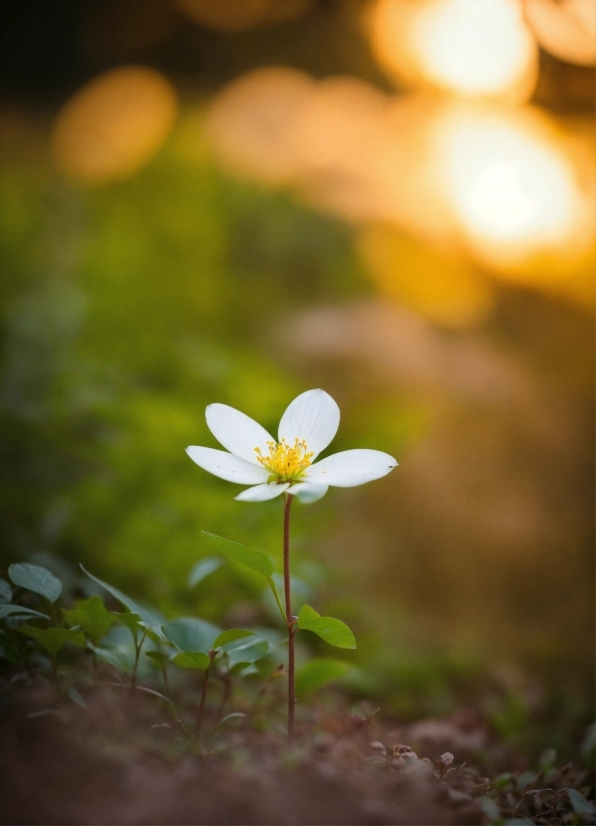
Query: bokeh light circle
x,y
470,48
251,123
114,124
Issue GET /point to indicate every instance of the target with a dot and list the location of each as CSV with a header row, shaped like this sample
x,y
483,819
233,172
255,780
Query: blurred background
x,y
238,201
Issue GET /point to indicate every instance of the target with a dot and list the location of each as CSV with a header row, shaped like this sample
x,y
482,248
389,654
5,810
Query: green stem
x,y
289,617
137,655
165,680
203,698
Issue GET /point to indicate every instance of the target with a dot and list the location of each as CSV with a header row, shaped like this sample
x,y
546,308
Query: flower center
x,y
285,463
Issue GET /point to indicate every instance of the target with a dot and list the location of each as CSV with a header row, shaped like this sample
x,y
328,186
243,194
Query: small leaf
x,y
305,614
333,631
192,659
237,668
231,636
35,578
9,652
525,779
231,716
5,591
489,807
547,759
249,653
158,657
273,586
92,616
52,639
580,804
149,616
255,560
132,621
503,780
317,673
202,569
118,656
171,728
7,610
76,697
191,634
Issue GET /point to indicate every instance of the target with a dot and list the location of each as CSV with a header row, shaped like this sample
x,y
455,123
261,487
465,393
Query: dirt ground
x,y
105,765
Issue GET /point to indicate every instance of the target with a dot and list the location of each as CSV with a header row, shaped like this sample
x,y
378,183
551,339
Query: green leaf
x,y
490,808
249,653
35,578
158,657
273,587
503,780
333,631
255,560
9,652
92,616
76,697
306,614
317,673
580,804
525,779
233,715
191,634
132,621
231,636
192,659
149,616
7,610
121,657
202,569
5,591
237,668
52,639
547,759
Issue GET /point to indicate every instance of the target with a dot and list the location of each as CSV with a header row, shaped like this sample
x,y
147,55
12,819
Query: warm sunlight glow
x,y
509,185
252,122
467,47
114,124
439,285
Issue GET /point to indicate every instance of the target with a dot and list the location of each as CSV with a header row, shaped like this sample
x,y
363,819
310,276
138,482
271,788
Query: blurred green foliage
x,y
126,310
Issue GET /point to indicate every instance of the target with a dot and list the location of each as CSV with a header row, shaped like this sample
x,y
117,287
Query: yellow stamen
x,y
285,463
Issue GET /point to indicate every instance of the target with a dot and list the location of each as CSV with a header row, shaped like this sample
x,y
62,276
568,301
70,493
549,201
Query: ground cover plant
x,y
123,715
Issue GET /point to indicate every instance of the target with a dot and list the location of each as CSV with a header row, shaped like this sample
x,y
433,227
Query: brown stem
x,y
202,703
290,619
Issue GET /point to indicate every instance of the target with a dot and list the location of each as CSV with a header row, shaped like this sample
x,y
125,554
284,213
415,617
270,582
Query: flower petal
x,y
312,416
350,468
261,493
237,432
227,466
308,492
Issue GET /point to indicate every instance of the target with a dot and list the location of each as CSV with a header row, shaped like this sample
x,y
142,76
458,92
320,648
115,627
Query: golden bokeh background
x,y
236,201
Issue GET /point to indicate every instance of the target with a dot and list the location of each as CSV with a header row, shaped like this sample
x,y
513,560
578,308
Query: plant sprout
x,y
286,467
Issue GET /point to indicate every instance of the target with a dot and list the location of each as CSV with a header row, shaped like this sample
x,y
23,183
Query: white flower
x,y
274,467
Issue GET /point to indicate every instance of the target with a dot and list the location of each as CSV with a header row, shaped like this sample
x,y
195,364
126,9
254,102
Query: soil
x,y
64,764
